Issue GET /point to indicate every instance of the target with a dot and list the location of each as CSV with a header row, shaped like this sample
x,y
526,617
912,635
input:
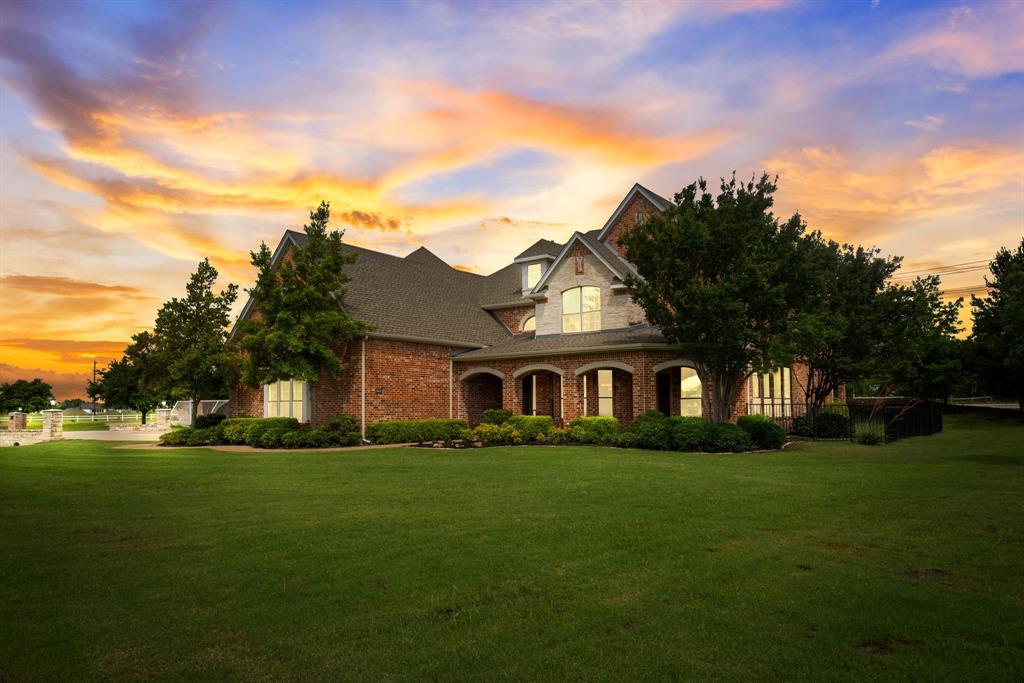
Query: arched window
x,y
691,393
581,309
530,324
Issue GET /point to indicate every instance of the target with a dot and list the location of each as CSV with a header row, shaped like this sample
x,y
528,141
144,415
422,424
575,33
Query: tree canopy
x,y
298,326
190,357
998,334
724,279
28,396
123,383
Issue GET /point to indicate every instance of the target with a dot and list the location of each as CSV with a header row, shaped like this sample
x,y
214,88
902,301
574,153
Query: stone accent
x,y
17,435
21,437
17,421
160,423
53,424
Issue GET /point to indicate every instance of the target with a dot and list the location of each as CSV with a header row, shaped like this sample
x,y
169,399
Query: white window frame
x,y
579,315
689,400
539,266
304,388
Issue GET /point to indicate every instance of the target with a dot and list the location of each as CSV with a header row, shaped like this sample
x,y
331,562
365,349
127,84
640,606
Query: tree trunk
x,y
724,389
144,416
194,410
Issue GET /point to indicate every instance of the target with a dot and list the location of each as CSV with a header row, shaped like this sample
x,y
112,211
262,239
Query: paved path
x,y
112,436
250,449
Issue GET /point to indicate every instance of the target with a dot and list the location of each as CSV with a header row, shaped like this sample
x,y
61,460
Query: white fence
x,y
36,419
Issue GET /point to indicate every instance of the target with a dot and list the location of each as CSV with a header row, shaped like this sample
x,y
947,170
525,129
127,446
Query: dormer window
x,y
533,273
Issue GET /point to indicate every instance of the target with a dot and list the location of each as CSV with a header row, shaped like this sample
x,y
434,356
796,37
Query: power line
x,y
946,267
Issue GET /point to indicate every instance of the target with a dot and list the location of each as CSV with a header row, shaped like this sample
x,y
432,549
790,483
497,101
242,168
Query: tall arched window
x,y
691,393
530,324
581,309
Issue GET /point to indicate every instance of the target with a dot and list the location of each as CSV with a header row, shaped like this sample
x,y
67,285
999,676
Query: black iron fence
x,y
868,420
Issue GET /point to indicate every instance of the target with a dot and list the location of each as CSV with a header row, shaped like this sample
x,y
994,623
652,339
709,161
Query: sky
x,y
137,138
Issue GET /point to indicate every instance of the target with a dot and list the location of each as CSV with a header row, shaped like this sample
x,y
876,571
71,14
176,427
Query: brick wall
x,y
627,221
512,318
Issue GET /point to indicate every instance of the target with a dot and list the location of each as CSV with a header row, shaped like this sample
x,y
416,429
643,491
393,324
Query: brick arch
x,y
471,372
605,365
678,363
537,367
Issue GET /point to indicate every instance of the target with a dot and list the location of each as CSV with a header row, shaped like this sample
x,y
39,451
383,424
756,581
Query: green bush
x,y
532,426
765,433
208,436
342,424
651,430
558,435
689,433
496,435
255,429
234,428
414,431
600,430
827,425
342,439
725,437
272,437
496,416
176,437
869,432
212,420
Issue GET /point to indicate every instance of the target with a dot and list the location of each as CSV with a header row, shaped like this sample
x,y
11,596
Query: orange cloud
x,y
64,286
65,384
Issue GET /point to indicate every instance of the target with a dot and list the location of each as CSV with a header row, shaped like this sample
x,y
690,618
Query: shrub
x,y
497,435
207,436
726,437
557,435
340,439
764,431
255,429
176,437
601,430
272,437
531,426
293,439
233,429
869,432
689,433
651,430
342,424
410,431
496,416
211,420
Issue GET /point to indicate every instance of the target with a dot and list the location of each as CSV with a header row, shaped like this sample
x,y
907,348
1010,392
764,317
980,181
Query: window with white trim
x,y
530,324
691,393
581,309
286,398
605,401
771,393
533,273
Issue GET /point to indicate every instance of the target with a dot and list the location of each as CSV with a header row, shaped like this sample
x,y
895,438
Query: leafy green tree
x,y
30,397
72,403
123,383
918,351
724,280
190,357
839,331
299,327
999,326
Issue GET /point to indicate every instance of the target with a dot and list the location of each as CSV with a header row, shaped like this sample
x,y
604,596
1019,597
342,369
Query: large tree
x,y
191,357
24,395
123,382
299,327
724,279
839,331
999,326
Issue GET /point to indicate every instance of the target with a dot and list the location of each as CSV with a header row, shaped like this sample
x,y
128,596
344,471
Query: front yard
x,y
826,560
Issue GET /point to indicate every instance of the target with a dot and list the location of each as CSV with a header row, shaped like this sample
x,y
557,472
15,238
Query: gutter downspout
x,y
362,390
451,370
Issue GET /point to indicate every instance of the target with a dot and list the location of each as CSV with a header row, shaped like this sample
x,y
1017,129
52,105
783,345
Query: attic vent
x,y
579,264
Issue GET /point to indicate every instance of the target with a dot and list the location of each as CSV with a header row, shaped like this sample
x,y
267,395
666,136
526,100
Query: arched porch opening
x,y
540,392
678,389
606,388
481,391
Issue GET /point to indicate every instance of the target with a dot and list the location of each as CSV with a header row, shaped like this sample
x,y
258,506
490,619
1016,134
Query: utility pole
x,y
94,382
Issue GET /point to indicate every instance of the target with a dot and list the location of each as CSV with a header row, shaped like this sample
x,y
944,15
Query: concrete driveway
x,y
112,436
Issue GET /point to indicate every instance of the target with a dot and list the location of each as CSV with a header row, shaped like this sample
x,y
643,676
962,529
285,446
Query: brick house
x,y
553,333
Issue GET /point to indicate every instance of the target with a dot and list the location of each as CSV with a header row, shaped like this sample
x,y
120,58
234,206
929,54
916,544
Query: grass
x,y
826,561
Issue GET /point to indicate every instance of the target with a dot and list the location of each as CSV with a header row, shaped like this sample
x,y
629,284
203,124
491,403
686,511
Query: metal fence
x,y
871,419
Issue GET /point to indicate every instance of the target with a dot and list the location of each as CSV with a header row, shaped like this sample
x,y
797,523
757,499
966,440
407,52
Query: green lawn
x,y
826,561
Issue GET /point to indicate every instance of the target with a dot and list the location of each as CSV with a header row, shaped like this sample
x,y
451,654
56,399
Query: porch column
x,y
572,397
510,394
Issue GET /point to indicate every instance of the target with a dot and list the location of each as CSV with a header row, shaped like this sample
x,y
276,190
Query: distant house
x,y
555,332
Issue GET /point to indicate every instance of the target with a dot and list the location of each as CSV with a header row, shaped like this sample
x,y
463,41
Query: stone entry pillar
x,y
17,420
53,424
163,419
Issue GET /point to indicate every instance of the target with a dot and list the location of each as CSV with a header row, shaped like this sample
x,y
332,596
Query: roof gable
x,y
659,202
615,265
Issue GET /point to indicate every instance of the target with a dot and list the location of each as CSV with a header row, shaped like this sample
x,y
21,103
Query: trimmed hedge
x,y
724,437
532,426
176,437
255,430
764,431
496,416
268,432
414,431
494,435
212,420
234,428
651,430
689,433
599,430
826,425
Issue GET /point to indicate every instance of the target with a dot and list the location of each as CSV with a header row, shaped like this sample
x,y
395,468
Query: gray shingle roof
x,y
541,248
561,344
420,297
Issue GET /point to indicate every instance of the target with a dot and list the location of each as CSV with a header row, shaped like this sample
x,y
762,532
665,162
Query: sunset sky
x,y
139,137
